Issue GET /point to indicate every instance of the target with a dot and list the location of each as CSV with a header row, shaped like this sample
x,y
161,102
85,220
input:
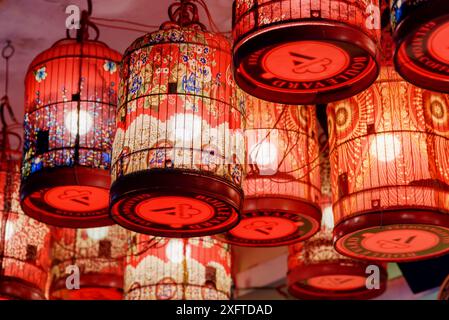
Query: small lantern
x,y
421,30
93,256
389,165
317,271
305,51
24,242
282,184
179,145
70,103
178,269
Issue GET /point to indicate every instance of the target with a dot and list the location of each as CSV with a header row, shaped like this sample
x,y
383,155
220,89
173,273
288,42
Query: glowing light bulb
x,y
264,154
9,230
188,126
175,251
385,147
328,217
71,122
98,233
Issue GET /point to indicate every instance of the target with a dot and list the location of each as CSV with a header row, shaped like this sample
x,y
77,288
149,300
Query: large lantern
x,y
389,160
178,269
421,30
70,103
179,147
317,271
282,185
97,253
24,242
305,51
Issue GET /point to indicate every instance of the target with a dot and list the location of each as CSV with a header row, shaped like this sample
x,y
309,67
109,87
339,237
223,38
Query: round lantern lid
x,y
421,29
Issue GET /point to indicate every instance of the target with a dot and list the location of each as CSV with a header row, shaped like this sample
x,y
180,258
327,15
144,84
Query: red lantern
x,y
71,92
282,185
179,147
305,51
421,30
317,271
24,242
175,269
389,164
97,254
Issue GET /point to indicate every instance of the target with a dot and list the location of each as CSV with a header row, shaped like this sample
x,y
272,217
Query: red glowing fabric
x,y
25,243
98,253
175,269
389,172
299,52
282,185
60,138
177,120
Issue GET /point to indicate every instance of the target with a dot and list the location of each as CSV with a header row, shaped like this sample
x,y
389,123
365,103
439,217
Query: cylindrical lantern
x,y
317,271
305,51
179,146
444,290
93,256
70,105
389,165
282,184
421,30
177,269
24,242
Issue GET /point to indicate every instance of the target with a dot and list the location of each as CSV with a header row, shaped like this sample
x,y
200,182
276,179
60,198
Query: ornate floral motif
x,y
191,269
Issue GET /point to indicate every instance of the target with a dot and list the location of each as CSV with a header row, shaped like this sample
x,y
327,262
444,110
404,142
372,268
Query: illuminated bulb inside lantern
x,y
175,250
328,217
385,147
71,122
98,233
188,126
9,230
264,154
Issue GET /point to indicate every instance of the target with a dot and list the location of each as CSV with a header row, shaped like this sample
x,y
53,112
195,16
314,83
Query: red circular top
x,y
265,228
175,211
337,282
77,198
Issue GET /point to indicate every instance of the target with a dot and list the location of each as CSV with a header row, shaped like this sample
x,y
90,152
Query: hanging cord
x,y
7,53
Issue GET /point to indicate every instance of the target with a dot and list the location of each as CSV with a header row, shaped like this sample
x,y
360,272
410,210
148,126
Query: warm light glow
x,y
264,154
98,233
328,217
175,251
10,229
386,147
71,122
188,126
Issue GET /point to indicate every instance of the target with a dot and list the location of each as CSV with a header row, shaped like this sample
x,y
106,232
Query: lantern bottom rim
x,y
15,288
394,236
300,279
46,195
175,203
274,221
341,61
93,286
421,56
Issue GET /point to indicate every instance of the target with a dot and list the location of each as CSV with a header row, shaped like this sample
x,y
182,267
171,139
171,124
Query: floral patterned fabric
x,y
176,106
175,269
